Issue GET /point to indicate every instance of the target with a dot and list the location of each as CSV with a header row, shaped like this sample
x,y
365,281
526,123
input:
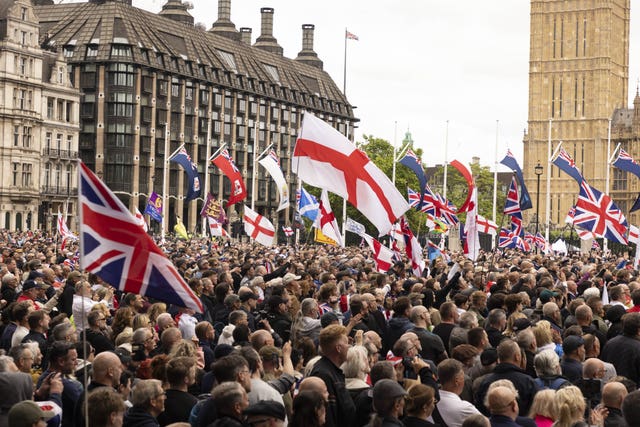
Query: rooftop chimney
x,y
177,11
245,35
307,55
223,26
266,41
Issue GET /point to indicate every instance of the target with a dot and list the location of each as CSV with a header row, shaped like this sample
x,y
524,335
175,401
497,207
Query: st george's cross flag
x,y
486,225
382,256
325,158
225,163
258,227
63,228
288,231
412,248
216,229
596,212
326,220
116,249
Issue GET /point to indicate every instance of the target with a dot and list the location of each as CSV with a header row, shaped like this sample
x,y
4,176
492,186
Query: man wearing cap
x,y
574,353
267,412
335,345
248,304
278,315
28,414
388,402
623,351
30,292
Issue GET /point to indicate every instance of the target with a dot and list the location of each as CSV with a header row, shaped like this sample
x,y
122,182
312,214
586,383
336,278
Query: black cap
x,y
328,318
269,408
246,296
29,284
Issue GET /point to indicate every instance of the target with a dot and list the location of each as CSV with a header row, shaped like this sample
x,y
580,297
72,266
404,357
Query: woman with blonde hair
x,y
511,320
155,310
544,338
543,409
356,369
419,404
570,408
141,321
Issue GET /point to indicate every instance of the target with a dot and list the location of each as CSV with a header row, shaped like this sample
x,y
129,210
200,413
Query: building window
x,y
57,176
121,75
92,51
61,75
69,142
60,116
175,89
68,51
16,136
49,108
21,65
19,98
619,179
47,140
121,104
23,38
120,50
26,136
58,141
23,13
47,175
26,174
68,177
15,173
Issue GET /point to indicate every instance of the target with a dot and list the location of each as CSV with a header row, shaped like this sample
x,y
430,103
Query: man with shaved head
x,y
613,394
315,384
107,370
503,406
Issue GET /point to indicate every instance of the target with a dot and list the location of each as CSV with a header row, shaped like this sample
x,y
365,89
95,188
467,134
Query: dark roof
x,y
104,24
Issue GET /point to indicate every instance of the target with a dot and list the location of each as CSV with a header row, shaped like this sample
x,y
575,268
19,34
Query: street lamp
x,y
538,171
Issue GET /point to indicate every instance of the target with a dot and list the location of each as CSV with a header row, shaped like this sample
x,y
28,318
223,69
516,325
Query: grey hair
x,y
356,362
307,305
144,391
5,362
495,316
547,363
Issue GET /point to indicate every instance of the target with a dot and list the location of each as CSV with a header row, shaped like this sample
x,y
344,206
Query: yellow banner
x,y
321,238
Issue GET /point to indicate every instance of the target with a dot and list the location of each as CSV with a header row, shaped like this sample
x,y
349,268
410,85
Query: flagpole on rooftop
x,y
548,195
206,169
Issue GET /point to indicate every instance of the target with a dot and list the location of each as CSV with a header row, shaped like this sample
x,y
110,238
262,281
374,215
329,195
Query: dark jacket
x,y
615,418
494,335
341,409
397,327
502,421
432,346
624,353
525,385
139,417
99,341
177,407
227,422
571,369
281,323
417,422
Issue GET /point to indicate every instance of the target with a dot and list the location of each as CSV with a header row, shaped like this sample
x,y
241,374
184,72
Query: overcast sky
x,y
418,63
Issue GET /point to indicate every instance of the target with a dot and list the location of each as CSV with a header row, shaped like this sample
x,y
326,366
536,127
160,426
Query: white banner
x,y
272,164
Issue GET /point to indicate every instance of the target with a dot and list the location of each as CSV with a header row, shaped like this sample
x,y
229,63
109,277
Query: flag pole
x,y
344,92
206,169
605,245
548,195
294,213
495,175
218,151
446,147
395,150
165,185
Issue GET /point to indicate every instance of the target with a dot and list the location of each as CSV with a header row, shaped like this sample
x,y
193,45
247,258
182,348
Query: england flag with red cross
x,y
258,227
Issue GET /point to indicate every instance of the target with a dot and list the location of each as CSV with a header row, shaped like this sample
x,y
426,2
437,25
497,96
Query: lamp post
x,y
538,169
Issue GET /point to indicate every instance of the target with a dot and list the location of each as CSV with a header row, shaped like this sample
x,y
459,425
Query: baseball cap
x,y
328,318
571,344
546,295
269,408
386,389
29,284
27,413
521,324
393,358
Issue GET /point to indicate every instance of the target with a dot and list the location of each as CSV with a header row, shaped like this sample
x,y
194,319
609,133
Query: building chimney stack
x,y
307,55
245,35
223,26
266,41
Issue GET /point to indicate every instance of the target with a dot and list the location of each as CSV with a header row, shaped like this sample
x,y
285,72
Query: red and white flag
x,y
472,243
216,229
382,255
634,234
486,225
258,227
140,220
288,231
412,248
325,158
228,167
350,36
326,220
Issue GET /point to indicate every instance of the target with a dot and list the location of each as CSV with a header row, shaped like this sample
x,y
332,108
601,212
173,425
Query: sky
x,y
417,65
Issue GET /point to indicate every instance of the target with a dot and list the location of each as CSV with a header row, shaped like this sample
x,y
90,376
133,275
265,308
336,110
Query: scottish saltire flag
x,y
412,161
308,205
154,207
511,162
596,212
626,163
183,159
568,165
117,250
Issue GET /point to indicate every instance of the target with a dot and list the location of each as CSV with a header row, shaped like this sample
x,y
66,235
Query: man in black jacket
x,y
509,368
613,394
335,344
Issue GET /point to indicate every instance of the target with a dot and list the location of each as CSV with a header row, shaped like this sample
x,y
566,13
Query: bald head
x,y
502,401
107,369
613,393
593,369
315,384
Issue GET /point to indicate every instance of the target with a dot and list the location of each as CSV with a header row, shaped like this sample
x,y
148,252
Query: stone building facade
x,y
39,124
578,76
152,82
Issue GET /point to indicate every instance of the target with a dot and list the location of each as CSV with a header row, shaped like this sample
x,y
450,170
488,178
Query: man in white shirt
x,y
451,408
83,302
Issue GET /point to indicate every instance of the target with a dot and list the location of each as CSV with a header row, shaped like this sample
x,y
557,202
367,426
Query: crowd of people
x,y
315,336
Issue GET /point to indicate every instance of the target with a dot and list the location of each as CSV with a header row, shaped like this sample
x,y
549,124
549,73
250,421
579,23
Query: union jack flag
x,y
116,249
512,204
540,242
595,244
508,239
568,165
528,237
414,201
570,215
225,154
596,212
275,157
447,211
